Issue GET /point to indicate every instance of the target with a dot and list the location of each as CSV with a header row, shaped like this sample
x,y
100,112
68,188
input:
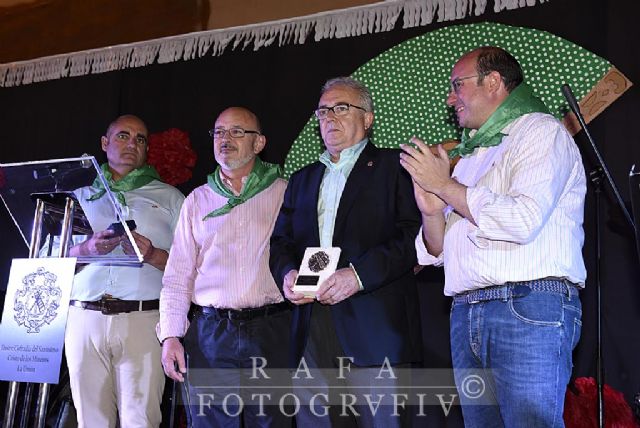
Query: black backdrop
x,y
65,118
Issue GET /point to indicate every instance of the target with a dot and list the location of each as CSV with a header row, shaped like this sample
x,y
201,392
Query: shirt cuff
x,y
360,286
170,332
424,258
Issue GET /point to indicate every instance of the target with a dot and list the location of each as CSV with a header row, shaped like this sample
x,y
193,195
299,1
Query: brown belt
x,y
111,306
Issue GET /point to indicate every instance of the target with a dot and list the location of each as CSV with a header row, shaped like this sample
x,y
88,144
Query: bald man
x,y
110,344
219,267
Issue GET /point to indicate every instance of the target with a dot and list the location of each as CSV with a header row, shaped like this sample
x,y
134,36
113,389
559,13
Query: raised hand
x,y
430,171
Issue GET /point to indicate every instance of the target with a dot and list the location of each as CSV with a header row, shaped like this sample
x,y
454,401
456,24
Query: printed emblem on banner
x,y
37,302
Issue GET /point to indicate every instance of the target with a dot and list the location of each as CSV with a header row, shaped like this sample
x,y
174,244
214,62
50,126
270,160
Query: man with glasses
x,y
111,349
219,267
507,225
364,315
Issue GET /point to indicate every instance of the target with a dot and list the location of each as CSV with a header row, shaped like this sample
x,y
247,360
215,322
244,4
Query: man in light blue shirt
x,y
355,197
111,347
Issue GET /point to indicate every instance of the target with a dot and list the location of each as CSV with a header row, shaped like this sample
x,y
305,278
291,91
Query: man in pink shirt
x,y
218,266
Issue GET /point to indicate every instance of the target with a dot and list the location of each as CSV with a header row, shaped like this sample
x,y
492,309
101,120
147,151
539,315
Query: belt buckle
x,y
104,304
473,297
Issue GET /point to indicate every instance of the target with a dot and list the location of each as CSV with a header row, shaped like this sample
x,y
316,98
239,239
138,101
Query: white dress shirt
x,y
527,197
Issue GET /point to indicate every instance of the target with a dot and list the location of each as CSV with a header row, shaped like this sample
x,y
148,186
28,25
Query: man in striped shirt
x,y
507,225
218,265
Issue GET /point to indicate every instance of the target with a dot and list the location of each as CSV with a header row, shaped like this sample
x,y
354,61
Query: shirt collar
x,y
228,185
504,131
347,156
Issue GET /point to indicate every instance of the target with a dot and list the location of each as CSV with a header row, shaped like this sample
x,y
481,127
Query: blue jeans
x,y
512,354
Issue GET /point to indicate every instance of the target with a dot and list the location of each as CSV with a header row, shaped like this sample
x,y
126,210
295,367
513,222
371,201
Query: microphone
x,y
86,163
61,168
573,104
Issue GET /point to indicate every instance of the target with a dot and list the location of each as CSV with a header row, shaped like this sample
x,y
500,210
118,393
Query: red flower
x,y
581,406
170,153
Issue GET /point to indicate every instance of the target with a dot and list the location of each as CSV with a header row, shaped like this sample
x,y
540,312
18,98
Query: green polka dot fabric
x,y
410,82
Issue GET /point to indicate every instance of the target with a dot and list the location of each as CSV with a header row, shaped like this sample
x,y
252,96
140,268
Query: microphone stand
x,y
596,179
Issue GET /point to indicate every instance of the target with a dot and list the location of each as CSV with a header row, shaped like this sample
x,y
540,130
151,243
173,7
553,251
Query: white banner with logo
x,y
34,319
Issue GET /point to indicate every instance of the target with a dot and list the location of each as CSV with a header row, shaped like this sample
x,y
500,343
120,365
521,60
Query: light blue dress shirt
x,y
333,182
155,207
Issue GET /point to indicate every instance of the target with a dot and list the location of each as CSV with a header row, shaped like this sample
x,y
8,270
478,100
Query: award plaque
x,y
317,265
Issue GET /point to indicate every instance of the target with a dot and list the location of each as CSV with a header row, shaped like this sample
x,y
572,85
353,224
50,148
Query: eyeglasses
x,y
218,133
457,83
338,110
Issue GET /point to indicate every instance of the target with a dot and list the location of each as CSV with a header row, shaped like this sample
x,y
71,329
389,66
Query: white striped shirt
x,y
222,261
527,198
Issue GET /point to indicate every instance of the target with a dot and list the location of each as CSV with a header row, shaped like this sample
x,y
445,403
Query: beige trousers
x,y
114,367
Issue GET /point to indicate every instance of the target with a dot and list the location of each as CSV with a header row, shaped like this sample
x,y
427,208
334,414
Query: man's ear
x,y
104,142
368,120
494,81
259,143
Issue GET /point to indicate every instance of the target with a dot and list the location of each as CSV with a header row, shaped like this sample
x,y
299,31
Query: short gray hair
x,y
363,92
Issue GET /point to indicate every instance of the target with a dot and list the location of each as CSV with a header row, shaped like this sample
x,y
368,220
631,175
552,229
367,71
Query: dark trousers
x,y
228,362
336,396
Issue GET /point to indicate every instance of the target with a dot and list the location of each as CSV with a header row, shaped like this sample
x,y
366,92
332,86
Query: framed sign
x,y
34,319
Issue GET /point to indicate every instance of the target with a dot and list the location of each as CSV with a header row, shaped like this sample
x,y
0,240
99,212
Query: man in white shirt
x,y
110,344
507,225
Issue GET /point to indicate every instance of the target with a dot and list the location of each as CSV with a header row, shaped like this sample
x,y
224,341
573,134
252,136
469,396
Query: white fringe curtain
x,y
355,21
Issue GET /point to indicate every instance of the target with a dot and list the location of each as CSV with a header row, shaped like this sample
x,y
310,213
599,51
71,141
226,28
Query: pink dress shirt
x,y
222,261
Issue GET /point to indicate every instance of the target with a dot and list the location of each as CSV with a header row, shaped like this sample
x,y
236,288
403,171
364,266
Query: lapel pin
x,y
370,163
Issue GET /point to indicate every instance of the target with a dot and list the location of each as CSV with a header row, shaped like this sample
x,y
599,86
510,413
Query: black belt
x,y
517,289
244,314
111,306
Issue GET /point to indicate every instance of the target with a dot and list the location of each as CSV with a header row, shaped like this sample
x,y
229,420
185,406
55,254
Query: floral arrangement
x,y
581,406
170,153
